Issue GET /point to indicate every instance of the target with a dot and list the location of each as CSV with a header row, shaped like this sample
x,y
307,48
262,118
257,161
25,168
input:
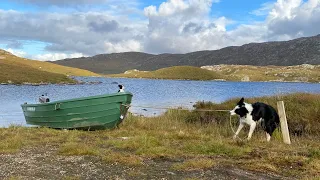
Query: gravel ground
x,y
45,163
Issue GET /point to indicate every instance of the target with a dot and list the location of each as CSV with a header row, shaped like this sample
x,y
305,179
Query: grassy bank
x,y
183,146
301,73
302,110
18,70
177,72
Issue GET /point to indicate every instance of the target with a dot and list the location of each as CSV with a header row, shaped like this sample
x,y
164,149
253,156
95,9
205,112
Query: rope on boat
x,y
200,110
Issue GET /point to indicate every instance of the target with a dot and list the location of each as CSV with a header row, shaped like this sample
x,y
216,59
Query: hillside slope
x,y
18,70
108,63
283,53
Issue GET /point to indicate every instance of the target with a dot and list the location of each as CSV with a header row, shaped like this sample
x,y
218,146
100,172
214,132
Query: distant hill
x,y
175,72
283,53
16,70
299,73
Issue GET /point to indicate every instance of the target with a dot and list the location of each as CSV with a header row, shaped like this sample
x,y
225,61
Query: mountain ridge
x,y
305,50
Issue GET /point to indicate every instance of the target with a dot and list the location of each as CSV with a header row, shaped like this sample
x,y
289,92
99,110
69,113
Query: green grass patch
x,y
14,178
314,167
77,149
122,158
11,144
314,153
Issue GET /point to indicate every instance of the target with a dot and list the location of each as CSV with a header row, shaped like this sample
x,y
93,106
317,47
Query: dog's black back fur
x,y
268,114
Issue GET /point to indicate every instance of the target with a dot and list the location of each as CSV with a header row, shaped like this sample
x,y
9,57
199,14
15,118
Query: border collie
x,y
250,114
121,88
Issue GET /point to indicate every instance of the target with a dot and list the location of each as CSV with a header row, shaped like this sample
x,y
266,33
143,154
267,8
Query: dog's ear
x,y
241,102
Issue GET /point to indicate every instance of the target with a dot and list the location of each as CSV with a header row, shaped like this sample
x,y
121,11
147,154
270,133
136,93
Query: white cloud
x,y
285,9
75,32
124,46
56,56
60,2
294,18
18,53
264,9
173,8
184,26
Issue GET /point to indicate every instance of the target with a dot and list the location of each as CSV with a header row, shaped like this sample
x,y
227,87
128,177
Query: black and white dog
x,y
121,88
250,114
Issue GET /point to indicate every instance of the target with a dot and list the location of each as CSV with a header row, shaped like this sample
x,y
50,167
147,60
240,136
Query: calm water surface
x,y
146,92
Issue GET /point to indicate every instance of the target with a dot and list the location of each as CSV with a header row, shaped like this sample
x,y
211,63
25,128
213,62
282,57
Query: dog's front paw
x,y
248,138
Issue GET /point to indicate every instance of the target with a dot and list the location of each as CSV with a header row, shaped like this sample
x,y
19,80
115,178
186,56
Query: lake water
x,y
146,92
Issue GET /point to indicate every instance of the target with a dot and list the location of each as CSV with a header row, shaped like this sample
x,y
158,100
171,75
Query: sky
x,y
58,29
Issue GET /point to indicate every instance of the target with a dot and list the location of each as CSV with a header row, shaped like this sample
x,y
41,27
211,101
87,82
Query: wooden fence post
x,y
283,122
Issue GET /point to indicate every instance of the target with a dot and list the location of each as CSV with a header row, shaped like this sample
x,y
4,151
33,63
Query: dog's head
x,y
242,108
121,88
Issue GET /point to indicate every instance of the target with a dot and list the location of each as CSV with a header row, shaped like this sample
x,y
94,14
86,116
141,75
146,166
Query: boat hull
x,y
95,112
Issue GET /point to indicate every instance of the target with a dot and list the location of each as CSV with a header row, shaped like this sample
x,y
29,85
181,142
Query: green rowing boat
x,y
94,112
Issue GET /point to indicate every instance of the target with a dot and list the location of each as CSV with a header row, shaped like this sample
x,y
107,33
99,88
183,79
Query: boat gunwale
x,y
78,99
75,107
116,108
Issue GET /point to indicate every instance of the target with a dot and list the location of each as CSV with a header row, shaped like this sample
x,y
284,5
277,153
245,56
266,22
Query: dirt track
x,y
45,163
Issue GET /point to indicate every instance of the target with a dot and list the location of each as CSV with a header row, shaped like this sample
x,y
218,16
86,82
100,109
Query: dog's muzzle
x,y
232,113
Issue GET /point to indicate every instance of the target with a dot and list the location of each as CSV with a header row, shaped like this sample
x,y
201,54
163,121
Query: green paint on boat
x,y
94,112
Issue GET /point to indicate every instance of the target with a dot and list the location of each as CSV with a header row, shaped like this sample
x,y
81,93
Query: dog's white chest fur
x,y
247,119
